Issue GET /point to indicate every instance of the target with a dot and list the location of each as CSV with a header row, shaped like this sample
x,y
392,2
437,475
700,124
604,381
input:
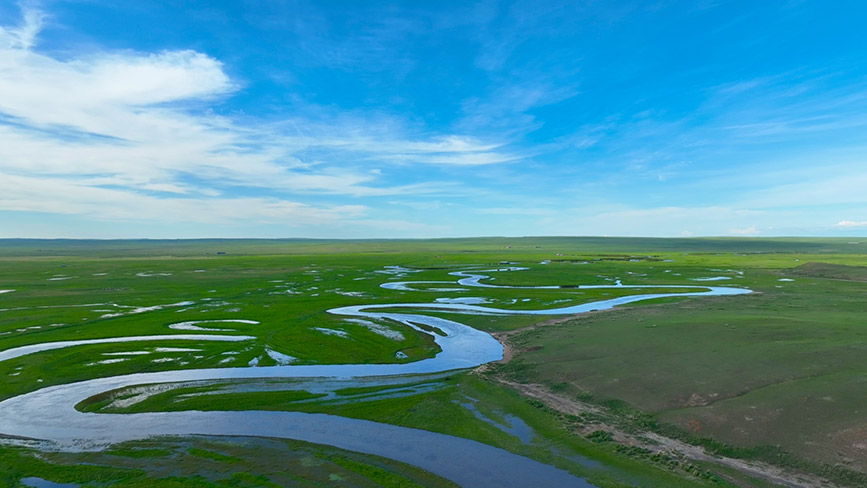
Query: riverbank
x,y
648,443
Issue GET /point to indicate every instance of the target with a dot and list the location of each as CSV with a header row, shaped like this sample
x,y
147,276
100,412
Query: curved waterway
x,y
50,414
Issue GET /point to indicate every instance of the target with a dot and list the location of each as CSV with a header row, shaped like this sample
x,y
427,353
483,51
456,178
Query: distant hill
x,y
500,245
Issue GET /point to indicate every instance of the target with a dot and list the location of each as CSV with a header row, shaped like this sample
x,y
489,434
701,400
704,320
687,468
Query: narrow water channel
x,y
49,413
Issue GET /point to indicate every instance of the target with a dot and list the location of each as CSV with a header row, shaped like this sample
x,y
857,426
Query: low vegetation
x,y
775,376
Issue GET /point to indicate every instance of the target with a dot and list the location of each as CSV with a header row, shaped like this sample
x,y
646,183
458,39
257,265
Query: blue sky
x,y
366,119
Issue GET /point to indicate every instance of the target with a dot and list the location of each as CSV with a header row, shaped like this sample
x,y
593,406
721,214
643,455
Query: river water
x,y
49,413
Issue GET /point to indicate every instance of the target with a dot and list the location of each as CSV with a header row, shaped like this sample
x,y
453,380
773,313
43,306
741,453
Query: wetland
x,y
384,349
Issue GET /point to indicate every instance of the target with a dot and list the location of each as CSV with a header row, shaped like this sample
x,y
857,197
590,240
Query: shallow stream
x,y
49,413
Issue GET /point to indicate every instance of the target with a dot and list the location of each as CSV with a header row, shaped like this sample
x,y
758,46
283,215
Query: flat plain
x,y
760,389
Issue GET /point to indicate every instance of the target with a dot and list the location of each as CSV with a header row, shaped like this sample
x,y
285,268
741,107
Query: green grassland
x,y
782,367
461,404
214,463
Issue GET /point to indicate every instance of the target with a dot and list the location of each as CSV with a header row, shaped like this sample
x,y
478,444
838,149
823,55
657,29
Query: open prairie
x,y
761,385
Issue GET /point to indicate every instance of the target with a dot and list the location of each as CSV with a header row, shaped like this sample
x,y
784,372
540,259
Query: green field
x,y
776,376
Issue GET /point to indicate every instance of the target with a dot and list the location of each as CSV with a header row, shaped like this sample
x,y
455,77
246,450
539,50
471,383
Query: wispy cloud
x,y
660,221
749,231
496,117
394,146
66,196
130,135
511,211
23,35
851,224
817,186
507,109
788,105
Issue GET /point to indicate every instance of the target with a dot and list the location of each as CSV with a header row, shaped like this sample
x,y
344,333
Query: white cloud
x,y
507,108
23,35
851,223
449,144
511,211
452,159
749,231
129,135
109,94
64,196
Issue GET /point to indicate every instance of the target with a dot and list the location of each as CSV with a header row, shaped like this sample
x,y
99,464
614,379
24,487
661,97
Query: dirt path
x,y
648,440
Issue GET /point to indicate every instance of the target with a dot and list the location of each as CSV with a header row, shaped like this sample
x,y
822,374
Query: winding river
x,y
49,413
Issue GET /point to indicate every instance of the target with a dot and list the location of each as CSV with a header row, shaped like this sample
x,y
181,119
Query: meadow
x,y
776,376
